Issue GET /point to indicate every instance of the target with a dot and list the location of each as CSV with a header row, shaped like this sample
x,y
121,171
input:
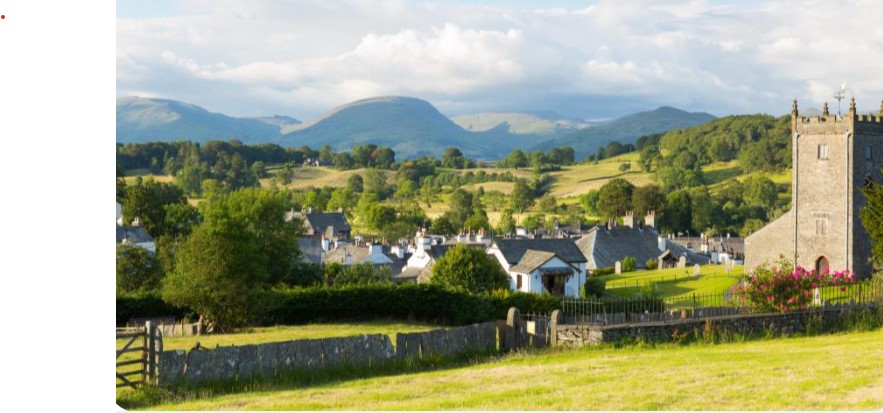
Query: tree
x,y
355,183
702,209
648,198
220,273
147,201
760,191
625,167
678,215
443,225
507,223
615,198
377,216
469,269
452,158
259,169
137,269
589,202
629,264
522,196
872,220
362,274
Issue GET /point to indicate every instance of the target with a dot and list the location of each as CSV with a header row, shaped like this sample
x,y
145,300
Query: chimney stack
x,y
650,219
629,219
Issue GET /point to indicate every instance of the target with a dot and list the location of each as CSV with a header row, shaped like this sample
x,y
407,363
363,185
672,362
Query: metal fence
x,y
615,310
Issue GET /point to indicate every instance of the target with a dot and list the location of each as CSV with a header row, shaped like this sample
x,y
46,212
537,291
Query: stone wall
x,y
234,363
777,324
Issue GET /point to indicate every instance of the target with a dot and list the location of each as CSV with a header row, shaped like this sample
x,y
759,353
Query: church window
x,y
823,151
821,223
869,153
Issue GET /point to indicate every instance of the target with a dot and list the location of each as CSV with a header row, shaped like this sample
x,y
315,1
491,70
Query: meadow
x,y
671,282
827,372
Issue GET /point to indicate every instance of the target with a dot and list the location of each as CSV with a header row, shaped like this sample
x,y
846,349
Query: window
x,y
869,153
823,151
820,226
518,287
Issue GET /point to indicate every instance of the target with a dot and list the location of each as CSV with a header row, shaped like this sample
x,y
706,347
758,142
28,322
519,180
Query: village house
x,y
542,265
377,254
604,246
135,235
427,250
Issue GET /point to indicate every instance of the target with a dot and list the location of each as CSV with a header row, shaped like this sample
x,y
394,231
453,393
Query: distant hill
x,y
627,129
143,119
541,124
411,127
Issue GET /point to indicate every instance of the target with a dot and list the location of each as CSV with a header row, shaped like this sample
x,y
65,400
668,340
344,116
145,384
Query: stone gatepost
x,y
556,319
513,326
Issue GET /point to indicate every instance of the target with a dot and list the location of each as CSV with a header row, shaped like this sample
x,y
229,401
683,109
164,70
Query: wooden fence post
x,y
513,322
150,336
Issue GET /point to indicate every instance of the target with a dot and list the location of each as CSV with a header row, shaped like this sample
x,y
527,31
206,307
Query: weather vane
x,y
840,95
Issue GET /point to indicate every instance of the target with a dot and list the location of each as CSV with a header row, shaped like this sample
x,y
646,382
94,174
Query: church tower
x,y
832,158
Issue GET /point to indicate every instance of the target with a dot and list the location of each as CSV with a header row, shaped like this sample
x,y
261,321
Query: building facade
x,y
832,158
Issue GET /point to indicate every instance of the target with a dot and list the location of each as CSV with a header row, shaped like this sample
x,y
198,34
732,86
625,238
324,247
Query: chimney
x,y
660,243
629,219
375,248
347,258
309,210
340,210
136,222
650,219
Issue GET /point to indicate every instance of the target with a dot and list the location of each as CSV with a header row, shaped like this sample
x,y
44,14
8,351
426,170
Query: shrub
x,y
595,287
783,287
651,264
629,264
603,271
141,305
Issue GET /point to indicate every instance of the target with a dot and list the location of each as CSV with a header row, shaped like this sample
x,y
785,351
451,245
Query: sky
x,y
590,60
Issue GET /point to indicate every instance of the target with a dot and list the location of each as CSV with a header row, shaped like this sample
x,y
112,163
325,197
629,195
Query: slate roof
x,y
565,248
605,246
358,255
320,221
134,235
531,260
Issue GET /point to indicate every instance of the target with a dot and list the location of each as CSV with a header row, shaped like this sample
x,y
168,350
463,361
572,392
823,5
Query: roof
x,y
531,260
311,248
133,235
320,221
407,274
565,248
359,255
605,246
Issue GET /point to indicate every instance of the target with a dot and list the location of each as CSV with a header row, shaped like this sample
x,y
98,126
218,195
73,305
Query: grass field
x,y
829,372
672,282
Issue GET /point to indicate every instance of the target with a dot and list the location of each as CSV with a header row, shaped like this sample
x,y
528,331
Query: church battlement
x,y
868,122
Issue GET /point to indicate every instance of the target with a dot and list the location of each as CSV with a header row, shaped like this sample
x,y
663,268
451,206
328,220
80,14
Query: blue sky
x,y
595,59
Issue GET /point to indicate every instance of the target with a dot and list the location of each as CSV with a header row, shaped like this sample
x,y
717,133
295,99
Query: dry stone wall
x,y
270,359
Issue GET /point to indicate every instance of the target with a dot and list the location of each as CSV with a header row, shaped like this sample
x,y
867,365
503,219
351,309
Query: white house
x,y
553,265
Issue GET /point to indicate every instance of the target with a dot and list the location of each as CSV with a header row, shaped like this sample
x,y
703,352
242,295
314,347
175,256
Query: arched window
x,y
821,265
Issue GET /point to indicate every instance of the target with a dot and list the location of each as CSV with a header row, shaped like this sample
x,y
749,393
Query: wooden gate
x,y
136,354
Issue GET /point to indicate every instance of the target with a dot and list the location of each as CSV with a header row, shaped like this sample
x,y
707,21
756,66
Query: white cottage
x,y
555,265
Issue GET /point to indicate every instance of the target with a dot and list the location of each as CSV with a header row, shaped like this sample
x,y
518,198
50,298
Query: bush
x,y
783,287
595,287
143,305
603,271
651,264
629,264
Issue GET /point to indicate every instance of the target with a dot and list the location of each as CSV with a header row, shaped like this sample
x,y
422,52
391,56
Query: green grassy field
x,y
672,282
829,372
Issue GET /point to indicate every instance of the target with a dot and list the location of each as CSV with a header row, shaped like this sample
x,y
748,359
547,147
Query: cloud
x,y
608,58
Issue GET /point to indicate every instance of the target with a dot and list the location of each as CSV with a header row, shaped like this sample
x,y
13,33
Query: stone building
x,y
832,158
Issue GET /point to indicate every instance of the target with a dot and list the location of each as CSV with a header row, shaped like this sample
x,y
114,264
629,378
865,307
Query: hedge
x,y
141,305
425,302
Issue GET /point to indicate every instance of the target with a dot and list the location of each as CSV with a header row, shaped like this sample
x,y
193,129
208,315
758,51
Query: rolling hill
x,y
627,129
541,124
143,120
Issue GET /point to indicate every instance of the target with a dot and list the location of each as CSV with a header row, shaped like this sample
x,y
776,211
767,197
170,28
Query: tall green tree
x,y
469,269
615,198
147,201
872,219
137,269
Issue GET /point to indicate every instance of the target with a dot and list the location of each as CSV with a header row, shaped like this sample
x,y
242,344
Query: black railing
x,y
615,310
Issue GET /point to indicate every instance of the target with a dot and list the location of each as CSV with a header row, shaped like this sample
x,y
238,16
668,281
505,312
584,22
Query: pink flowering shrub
x,y
783,287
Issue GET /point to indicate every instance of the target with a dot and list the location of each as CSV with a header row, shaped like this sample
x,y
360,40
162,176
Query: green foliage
x,y
359,274
506,225
137,269
782,286
603,271
147,201
651,264
522,196
648,198
355,183
872,219
145,304
469,269
589,202
615,198
629,264
595,287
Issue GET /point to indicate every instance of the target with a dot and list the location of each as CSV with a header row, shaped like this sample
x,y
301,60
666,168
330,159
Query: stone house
x,y
832,157
542,265
376,254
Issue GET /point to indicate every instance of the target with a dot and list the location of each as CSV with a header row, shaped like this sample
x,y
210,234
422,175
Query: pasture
x,y
828,372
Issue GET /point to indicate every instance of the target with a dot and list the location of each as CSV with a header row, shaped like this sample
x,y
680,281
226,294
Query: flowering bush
x,y
784,286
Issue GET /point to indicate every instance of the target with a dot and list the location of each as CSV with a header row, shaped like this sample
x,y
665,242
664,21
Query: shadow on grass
x,y
147,396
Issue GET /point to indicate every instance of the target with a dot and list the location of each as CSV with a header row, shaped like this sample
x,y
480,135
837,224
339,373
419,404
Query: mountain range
x,y
411,127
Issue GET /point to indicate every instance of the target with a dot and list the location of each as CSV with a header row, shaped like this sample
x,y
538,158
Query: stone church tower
x,y
832,158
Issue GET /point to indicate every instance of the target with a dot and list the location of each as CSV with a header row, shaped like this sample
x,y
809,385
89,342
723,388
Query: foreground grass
x,y
840,371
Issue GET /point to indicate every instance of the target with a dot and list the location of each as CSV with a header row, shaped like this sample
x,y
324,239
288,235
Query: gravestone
x,y
618,268
696,270
682,262
816,296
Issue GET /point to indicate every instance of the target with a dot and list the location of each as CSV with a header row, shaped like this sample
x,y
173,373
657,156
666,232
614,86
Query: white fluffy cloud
x,y
600,59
